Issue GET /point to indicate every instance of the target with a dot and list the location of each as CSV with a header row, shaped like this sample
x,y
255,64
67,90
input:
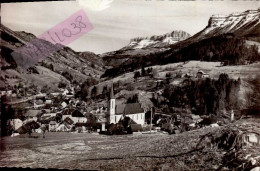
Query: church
x,y
132,110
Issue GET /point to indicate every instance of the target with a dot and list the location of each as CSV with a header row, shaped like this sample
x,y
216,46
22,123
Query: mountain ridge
x,y
158,40
64,65
217,37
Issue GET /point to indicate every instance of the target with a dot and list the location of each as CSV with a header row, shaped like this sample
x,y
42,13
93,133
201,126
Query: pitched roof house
x,y
202,74
52,126
75,115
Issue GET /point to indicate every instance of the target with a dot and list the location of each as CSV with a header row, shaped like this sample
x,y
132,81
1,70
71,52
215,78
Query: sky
x,y
115,22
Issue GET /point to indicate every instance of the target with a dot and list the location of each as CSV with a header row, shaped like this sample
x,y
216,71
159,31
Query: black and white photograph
x,y
130,85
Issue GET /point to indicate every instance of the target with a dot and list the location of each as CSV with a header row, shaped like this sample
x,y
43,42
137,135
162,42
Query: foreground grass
x,y
127,152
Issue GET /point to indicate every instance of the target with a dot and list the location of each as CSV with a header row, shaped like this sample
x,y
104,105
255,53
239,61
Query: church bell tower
x,y
112,106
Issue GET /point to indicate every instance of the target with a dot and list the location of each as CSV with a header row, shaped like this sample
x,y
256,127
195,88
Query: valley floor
x,y
127,152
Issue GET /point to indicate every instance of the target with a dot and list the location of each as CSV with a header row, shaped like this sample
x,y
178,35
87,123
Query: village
x,y
60,123
62,112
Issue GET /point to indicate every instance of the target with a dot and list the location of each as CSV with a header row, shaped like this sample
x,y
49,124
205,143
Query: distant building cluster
x,y
60,111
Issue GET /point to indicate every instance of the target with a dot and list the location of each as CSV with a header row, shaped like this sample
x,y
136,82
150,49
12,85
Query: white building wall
x,y
16,123
118,117
138,118
75,119
79,119
112,119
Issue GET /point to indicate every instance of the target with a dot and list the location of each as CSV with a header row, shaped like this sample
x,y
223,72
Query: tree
x,y
67,75
84,90
137,74
62,85
91,122
105,91
168,77
143,72
51,67
93,92
149,70
155,73
133,99
44,89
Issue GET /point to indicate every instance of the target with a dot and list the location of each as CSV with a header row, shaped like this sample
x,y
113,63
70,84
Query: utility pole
x,y
151,119
232,115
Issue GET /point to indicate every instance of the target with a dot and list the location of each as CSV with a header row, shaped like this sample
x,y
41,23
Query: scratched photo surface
x,y
130,85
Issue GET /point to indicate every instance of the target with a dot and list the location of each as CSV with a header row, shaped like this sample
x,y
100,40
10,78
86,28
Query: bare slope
x,y
64,65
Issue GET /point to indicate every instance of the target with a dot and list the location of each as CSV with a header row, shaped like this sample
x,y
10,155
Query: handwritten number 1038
x,y
77,25
80,25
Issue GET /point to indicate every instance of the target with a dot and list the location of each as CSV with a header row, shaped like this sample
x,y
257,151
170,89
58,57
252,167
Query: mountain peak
x,y
230,23
158,40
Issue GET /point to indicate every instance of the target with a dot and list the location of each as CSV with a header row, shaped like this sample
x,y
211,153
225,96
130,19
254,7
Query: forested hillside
x,y
226,48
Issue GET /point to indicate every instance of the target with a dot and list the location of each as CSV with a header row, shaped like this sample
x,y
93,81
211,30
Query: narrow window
x,y
115,119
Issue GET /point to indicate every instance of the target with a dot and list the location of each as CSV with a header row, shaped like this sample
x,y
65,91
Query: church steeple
x,y
112,92
112,104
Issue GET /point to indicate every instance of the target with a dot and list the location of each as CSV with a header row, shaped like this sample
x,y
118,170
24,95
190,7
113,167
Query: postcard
x,y
130,85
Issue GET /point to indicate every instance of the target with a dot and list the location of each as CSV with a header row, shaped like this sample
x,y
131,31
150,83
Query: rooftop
x,y
129,108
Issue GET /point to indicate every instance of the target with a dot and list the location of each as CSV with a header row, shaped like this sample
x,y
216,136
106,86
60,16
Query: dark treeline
x,y
203,97
226,48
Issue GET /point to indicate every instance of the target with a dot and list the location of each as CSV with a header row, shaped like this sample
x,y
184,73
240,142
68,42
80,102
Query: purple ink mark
x,y
63,33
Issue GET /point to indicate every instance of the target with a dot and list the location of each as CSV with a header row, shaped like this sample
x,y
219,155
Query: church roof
x,y
120,108
129,108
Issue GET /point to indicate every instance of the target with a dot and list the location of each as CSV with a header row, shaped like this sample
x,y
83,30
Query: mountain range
x,y
226,38
214,43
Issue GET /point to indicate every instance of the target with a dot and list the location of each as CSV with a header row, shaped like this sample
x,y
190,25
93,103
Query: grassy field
x,y
128,152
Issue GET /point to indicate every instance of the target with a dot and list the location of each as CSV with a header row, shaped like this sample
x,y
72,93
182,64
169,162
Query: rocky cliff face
x,y
143,46
241,24
158,41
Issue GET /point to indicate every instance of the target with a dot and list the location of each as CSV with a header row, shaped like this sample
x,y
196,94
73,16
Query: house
x,y
102,120
47,118
118,112
64,104
65,92
68,121
202,74
63,128
67,113
55,94
7,93
32,114
52,126
75,115
250,139
16,123
48,102
40,96
37,104
78,117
